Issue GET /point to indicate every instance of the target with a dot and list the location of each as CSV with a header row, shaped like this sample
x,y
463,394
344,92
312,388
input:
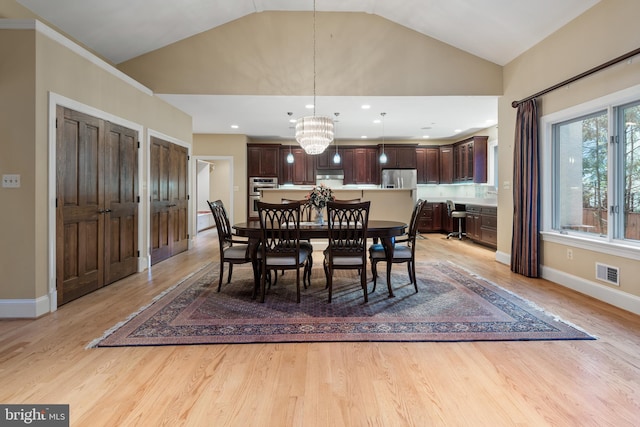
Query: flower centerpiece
x,y
318,198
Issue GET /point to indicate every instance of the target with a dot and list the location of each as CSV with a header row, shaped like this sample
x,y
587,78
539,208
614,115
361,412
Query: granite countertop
x,y
464,201
342,188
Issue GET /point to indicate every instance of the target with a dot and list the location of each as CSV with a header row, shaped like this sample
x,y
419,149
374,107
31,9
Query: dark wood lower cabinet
x,y
482,223
430,220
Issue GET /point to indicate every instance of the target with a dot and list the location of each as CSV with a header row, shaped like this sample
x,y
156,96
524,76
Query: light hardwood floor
x,y
555,383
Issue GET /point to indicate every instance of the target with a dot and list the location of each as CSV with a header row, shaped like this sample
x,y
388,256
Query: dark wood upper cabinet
x,y
365,164
263,160
399,156
324,160
300,172
470,160
428,165
446,164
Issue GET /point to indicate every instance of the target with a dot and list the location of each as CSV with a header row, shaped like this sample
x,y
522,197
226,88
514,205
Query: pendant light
x,y
336,157
383,156
290,158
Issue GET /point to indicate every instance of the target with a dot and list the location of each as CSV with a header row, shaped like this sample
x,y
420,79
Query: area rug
x,y
452,305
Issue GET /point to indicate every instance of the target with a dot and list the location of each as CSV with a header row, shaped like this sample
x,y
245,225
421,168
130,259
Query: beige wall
x,y
269,53
33,67
604,32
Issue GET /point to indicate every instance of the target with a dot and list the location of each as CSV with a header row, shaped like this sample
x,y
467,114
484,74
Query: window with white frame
x,y
595,171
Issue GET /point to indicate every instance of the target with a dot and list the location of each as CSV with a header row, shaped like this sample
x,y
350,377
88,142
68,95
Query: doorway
x,y
214,181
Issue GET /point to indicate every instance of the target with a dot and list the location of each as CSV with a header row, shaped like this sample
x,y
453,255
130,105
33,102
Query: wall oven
x,y
256,185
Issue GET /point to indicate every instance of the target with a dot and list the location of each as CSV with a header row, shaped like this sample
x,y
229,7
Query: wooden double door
x,y
169,199
96,203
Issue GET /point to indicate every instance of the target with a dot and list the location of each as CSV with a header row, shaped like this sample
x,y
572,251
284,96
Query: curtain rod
x,y
600,67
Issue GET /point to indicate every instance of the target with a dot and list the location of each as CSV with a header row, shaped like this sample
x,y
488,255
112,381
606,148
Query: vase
x,y
319,216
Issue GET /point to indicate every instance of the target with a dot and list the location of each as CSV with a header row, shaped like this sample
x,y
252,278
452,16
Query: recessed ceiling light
x,y
376,121
364,137
458,130
366,106
292,120
426,136
234,126
309,106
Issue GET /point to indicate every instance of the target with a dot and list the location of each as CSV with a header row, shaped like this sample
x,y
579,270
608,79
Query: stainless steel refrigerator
x,y
399,178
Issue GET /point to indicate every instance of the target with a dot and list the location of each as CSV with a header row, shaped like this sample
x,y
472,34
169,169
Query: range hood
x,y
329,174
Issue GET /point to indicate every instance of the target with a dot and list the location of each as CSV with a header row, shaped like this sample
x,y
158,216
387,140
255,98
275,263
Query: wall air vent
x,y
608,274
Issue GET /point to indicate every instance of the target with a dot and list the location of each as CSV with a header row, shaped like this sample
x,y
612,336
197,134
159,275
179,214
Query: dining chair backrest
x,y
280,224
347,223
305,208
415,216
222,223
348,200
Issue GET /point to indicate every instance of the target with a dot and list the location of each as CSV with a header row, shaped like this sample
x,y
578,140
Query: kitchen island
x,y
392,204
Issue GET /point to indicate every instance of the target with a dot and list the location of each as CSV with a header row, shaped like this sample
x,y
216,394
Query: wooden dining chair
x,y
404,251
232,250
305,215
347,246
280,247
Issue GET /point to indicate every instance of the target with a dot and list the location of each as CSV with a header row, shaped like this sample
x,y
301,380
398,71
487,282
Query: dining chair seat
x,y
275,262
400,253
236,252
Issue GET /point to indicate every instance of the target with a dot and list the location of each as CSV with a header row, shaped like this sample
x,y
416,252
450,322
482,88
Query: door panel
x,y
79,223
169,199
121,204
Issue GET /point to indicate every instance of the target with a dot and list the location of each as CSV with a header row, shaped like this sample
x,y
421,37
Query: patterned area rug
x,y
452,305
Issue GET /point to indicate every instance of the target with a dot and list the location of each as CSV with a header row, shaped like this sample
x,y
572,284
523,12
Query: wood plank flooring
x,y
544,383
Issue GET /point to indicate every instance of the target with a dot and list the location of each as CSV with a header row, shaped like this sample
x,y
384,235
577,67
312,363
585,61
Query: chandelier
x,y
314,133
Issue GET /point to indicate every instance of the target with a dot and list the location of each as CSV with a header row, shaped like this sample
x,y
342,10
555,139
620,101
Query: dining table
x,y
378,230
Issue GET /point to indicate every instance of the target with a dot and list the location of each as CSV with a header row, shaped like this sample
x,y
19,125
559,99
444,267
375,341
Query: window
x,y
580,170
594,152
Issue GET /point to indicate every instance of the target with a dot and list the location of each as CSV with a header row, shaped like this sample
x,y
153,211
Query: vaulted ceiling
x,y
123,29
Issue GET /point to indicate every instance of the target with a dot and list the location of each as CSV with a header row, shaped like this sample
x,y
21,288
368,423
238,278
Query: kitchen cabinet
x,y
430,219
399,156
482,223
428,165
263,160
470,160
473,222
324,160
360,165
301,171
446,164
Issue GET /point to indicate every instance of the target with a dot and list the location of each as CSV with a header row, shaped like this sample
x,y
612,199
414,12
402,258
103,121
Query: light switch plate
x,y
11,181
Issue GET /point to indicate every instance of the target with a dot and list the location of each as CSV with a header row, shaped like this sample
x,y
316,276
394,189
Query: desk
x,y
386,231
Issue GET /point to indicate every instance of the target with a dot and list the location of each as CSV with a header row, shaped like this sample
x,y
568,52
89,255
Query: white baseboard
x,y
600,292
596,290
24,308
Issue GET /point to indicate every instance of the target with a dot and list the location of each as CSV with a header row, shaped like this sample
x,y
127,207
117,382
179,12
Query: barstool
x,y
453,213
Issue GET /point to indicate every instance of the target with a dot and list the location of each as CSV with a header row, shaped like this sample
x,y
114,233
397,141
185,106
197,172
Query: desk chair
x,y
404,250
232,251
347,246
280,246
453,213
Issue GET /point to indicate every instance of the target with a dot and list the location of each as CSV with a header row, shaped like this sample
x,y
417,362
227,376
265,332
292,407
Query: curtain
x,y
526,189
